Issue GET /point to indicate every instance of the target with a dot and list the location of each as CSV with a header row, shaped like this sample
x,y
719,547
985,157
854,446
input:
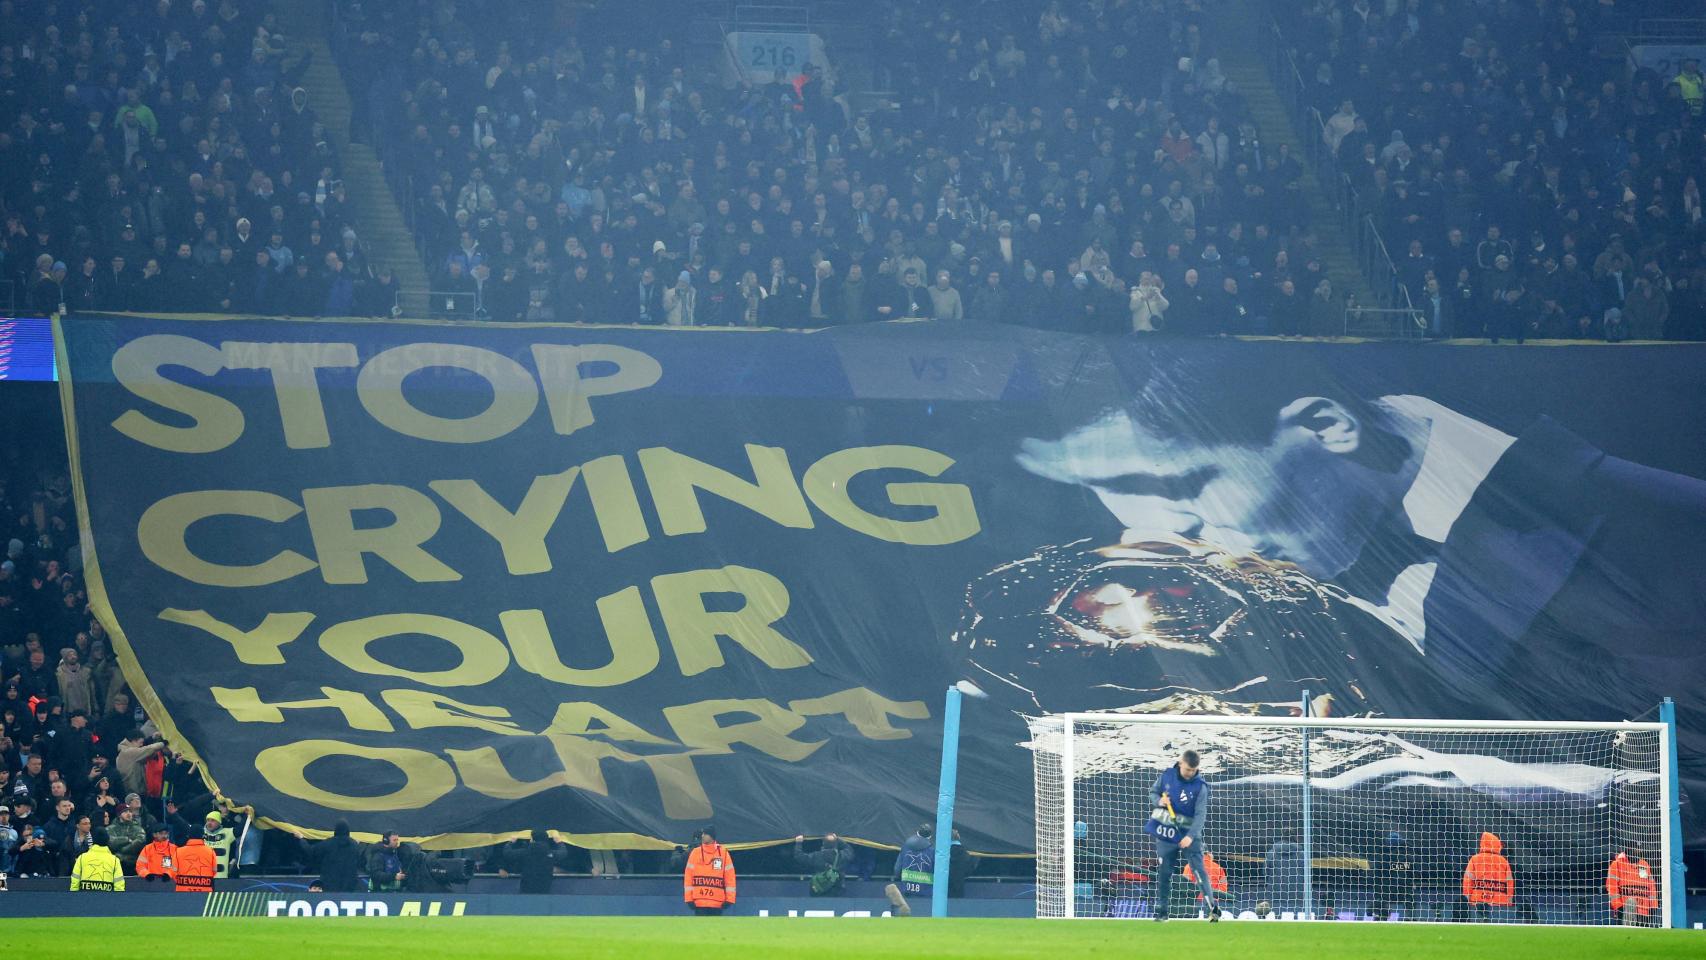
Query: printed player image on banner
x,y
470,580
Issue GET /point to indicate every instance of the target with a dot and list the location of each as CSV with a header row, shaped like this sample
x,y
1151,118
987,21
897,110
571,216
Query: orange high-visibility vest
x,y
1631,882
196,867
1216,874
159,857
1488,878
709,880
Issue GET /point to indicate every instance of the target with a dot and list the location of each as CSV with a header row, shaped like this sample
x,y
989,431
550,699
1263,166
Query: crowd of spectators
x,y
159,155
77,754
1525,183
1076,164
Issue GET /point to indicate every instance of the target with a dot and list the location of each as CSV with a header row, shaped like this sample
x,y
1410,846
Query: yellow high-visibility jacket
x,y
97,869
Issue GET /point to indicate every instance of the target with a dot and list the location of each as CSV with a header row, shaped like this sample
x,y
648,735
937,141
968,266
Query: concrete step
x,y
379,220
1244,59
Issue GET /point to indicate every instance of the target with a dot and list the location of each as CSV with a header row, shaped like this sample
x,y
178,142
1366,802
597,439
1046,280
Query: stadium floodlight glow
x,y
1378,819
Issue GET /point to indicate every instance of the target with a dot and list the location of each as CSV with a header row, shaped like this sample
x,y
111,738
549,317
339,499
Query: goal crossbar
x,y
1358,723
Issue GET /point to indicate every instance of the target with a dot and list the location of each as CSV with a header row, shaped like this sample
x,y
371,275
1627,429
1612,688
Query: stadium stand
x,y
1056,138
1045,157
63,705
163,157
1525,177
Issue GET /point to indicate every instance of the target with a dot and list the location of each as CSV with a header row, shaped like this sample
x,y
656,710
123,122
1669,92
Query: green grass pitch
x,y
690,938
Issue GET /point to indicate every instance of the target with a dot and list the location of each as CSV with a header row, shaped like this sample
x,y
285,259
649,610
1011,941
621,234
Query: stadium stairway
x,y
1244,59
379,220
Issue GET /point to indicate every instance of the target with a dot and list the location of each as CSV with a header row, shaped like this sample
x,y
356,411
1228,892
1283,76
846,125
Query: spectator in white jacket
x,y
1339,125
680,301
1214,144
1148,304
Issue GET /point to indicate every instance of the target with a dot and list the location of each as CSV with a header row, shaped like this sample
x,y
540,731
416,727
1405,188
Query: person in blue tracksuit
x,y
1179,800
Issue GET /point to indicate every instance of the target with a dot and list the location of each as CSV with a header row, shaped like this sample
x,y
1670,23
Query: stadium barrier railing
x,y
1669,30
1358,225
1400,320
365,108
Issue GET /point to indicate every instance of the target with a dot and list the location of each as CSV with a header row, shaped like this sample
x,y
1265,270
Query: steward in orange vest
x,y
159,860
709,880
1216,874
197,865
1630,886
1488,878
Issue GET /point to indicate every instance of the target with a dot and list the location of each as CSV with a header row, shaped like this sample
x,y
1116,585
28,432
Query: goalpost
x,y
1365,819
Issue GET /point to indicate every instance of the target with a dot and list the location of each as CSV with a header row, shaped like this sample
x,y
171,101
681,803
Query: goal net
x,y
1358,819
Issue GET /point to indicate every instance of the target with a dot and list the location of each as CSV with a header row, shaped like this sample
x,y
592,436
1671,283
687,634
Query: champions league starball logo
x,y
1172,627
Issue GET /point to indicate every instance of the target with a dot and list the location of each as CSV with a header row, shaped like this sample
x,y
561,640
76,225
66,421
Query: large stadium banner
x,y
471,580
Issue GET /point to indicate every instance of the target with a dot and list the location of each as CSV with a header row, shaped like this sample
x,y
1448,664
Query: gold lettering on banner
x,y
615,504
953,515
258,647
675,479
295,378
591,720
698,725
426,777
707,616
245,706
679,788
164,528
568,394
340,544
521,533
482,770
867,710
693,629
217,422
424,709
582,736
633,646
379,385
341,547
482,657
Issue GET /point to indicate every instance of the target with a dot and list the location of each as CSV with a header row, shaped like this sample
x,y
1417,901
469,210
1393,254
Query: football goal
x,y
1364,819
